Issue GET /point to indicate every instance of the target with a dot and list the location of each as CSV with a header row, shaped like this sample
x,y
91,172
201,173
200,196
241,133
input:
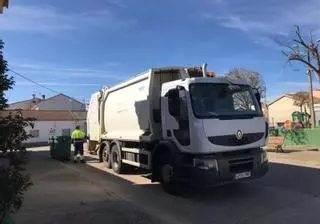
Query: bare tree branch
x,y
303,61
300,99
252,77
317,57
301,41
300,47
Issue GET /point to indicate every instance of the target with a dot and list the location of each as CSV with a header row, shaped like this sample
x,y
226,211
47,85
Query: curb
x,y
286,150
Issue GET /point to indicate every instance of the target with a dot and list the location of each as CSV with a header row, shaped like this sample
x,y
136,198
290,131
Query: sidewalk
x,y
301,158
294,148
60,195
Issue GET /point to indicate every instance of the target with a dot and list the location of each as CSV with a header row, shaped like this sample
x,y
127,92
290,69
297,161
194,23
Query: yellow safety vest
x,y
78,134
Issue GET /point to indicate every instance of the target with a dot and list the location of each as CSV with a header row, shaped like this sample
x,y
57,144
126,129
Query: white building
x,y
281,109
57,102
317,113
57,115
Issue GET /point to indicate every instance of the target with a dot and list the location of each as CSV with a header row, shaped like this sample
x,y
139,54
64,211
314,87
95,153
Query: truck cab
x,y
218,128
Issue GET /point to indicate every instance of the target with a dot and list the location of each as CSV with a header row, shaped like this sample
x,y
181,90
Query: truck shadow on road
x,y
284,186
281,176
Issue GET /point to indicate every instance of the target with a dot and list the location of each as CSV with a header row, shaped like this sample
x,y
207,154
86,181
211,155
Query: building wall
x,y
316,93
317,114
61,102
44,129
281,110
20,105
23,105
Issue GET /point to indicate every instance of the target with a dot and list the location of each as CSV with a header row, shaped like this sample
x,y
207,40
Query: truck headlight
x,y
205,163
263,156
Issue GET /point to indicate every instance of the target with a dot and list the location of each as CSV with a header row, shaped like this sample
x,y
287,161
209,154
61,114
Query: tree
x,y
13,178
300,100
3,3
306,51
6,82
254,79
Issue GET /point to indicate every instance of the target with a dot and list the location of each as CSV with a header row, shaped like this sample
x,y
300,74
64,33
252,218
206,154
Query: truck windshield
x,y
223,100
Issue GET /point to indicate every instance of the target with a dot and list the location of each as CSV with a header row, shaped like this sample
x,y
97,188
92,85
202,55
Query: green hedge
x,y
308,137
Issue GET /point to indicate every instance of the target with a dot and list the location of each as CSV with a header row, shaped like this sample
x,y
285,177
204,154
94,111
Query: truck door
x,y
176,124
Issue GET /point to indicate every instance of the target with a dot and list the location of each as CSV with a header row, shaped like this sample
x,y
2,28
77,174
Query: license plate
x,y
239,176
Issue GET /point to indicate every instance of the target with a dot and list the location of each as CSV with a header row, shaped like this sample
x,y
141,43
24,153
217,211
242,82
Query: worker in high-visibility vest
x,y
77,137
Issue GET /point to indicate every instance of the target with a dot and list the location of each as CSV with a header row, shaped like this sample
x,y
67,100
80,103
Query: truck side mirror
x,y
256,94
258,97
174,102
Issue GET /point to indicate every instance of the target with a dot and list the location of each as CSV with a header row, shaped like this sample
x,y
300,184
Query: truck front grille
x,y
231,140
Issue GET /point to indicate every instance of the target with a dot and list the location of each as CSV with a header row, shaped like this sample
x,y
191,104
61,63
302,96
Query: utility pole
x,y
311,104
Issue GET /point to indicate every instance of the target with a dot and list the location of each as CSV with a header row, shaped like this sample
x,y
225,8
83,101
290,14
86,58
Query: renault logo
x,y
239,135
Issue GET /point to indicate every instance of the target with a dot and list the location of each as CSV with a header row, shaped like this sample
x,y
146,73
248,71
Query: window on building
x,y
66,132
34,133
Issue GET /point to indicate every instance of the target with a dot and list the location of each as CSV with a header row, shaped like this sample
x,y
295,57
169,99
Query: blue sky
x,y
78,46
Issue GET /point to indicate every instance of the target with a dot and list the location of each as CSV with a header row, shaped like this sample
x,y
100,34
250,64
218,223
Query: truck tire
x,y
117,165
91,148
106,155
166,173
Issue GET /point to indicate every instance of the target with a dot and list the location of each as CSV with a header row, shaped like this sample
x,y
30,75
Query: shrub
x,y
14,180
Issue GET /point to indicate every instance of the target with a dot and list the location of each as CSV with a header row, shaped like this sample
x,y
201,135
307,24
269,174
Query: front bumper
x,y
228,166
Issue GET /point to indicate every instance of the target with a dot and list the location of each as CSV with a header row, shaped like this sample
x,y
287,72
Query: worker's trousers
x,y
78,150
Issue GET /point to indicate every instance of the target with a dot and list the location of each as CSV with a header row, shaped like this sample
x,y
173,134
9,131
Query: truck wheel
x,y
117,165
166,171
106,156
91,148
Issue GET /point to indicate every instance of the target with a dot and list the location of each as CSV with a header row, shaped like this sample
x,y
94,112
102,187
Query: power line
x,y
34,82
43,86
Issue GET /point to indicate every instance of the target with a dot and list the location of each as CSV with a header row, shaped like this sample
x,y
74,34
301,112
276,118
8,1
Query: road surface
x,y
89,193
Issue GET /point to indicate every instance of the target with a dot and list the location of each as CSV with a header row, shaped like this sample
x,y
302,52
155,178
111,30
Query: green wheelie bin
x,y
60,148
274,132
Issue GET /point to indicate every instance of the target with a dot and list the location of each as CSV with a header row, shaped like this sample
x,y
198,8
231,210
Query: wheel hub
x,y
105,155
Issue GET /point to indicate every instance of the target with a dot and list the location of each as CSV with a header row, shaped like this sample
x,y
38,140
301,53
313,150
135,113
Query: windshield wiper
x,y
237,116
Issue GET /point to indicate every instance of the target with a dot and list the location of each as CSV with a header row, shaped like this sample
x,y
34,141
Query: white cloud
x,y
49,20
216,1
111,64
295,84
118,3
63,72
234,21
303,85
29,66
276,17
58,84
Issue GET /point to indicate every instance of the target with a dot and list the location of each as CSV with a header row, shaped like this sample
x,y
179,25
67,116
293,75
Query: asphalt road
x,y
290,193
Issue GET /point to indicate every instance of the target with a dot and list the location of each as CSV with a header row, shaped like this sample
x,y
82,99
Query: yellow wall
x,y
316,93
281,110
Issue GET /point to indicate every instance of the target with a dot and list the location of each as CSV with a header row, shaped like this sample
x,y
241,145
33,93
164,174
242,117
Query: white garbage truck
x,y
182,125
